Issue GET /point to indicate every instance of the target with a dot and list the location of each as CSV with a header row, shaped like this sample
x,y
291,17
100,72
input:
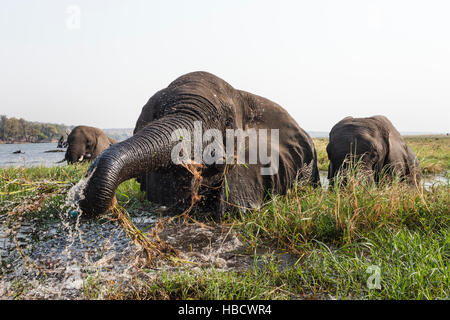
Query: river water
x,y
33,154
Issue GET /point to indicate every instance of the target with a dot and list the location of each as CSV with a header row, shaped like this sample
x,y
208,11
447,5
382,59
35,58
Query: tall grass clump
x,y
37,189
349,211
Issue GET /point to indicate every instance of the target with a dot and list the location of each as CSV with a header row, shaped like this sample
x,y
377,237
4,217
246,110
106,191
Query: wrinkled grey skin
x,y
86,143
375,144
203,97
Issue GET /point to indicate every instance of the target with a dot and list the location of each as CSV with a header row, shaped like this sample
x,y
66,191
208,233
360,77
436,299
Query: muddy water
x,y
323,179
56,260
428,181
436,179
52,259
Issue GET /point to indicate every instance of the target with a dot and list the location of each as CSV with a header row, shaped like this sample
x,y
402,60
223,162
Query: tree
x,y
20,130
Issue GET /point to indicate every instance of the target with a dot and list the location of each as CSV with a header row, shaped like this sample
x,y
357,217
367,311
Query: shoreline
x,y
27,142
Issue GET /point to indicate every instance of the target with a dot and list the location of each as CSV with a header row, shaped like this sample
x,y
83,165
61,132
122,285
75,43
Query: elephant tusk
x,y
81,158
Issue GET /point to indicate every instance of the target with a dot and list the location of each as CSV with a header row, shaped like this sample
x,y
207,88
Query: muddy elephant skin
x,y
375,144
86,143
201,97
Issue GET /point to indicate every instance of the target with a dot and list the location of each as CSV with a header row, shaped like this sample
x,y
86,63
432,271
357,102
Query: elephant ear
x,y
101,143
111,141
413,166
403,160
92,144
397,156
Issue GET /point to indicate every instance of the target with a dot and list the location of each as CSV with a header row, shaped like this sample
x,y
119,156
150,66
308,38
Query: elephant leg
x,y
142,180
170,188
330,175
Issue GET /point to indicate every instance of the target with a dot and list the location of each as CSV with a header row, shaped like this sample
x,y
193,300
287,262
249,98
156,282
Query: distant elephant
x,y
374,142
200,100
62,143
86,143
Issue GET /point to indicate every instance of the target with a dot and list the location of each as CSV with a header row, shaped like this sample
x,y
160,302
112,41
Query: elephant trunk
x,y
149,149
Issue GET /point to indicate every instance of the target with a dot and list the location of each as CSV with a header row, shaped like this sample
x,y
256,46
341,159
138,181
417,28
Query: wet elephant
x,y
86,143
202,102
373,142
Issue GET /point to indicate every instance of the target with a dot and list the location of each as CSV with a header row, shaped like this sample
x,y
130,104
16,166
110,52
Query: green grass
x,y
36,191
336,237
412,266
338,234
321,150
433,152
204,284
43,189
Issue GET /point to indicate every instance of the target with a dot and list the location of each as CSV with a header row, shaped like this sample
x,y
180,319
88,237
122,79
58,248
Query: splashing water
x,y
57,257
71,258
76,194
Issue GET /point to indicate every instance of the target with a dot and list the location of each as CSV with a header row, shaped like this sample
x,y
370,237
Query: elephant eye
x,y
228,122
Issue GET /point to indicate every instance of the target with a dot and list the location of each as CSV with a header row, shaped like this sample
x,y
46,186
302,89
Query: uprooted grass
x,y
152,245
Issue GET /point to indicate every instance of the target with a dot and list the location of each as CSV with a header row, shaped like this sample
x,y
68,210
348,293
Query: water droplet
x,y
73,214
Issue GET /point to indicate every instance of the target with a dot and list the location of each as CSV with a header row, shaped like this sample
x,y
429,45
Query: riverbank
x,y
27,142
357,242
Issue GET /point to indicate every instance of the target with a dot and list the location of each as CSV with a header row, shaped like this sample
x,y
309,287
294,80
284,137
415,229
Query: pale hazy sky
x,y
321,60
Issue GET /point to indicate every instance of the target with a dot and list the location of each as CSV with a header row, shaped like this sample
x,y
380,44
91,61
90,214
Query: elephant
x,y
376,144
202,101
62,143
86,143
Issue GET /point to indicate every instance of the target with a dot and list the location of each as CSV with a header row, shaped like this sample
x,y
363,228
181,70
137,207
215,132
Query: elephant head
x,y
376,144
86,143
194,104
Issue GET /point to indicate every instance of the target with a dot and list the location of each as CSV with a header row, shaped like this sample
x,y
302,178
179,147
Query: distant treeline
x,y
14,130
119,134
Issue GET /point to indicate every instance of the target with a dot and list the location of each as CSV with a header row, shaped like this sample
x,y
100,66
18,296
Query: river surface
x,y
32,154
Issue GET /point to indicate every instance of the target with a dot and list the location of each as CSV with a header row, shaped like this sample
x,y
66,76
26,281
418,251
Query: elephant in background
x,y
201,97
86,143
62,142
374,142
